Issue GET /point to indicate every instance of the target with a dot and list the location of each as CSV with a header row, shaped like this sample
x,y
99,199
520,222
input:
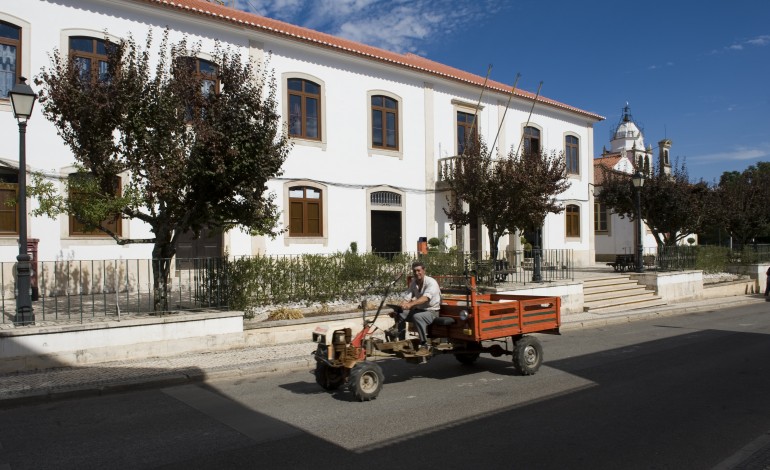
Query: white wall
x,y
342,161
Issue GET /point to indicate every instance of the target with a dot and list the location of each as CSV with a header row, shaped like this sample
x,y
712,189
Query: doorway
x,y
386,232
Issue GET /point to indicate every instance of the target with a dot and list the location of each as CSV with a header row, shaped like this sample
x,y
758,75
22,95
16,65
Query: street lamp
x,y
638,181
23,100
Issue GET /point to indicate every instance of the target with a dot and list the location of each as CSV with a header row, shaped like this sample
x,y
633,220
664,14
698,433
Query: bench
x,y
623,263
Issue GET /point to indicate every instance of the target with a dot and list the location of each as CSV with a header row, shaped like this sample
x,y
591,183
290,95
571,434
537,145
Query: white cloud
x,y
397,25
759,41
739,154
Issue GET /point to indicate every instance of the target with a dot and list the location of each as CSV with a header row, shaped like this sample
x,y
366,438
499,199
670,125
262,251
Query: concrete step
x,y
607,281
657,302
615,293
610,288
628,299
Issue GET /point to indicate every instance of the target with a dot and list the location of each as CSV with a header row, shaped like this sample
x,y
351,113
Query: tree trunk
x,y
162,252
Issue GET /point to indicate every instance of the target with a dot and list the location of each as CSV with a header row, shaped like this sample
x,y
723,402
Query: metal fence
x,y
704,257
78,290
82,289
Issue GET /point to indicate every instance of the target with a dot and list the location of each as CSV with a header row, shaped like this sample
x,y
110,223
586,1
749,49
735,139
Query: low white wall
x,y
676,286
755,271
728,289
571,293
43,347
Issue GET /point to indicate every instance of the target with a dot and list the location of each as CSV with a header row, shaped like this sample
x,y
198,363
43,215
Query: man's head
x,y
418,269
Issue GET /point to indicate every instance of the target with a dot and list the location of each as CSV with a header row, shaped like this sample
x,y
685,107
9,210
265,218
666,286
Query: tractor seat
x,y
443,321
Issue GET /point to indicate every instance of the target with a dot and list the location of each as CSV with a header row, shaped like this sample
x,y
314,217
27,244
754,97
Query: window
x,y
384,122
601,219
10,57
531,140
572,154
9,210
113,223
305,212
203,71
304,108
90,58
467,127
573,221
665,157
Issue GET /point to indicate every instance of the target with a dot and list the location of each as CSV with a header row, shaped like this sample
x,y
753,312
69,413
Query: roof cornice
x,y
305,35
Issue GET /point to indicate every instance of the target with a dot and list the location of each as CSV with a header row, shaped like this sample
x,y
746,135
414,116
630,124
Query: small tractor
x,y
469,324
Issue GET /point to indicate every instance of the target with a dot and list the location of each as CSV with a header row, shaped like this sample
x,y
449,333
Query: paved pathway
x,y
254,361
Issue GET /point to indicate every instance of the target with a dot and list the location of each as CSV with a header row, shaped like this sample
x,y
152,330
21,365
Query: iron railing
x,y
82,289
77,290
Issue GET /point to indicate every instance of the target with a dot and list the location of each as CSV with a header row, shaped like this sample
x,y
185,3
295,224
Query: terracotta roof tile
x,y
298,33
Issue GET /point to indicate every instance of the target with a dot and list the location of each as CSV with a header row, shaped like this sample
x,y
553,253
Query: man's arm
x,y
406,305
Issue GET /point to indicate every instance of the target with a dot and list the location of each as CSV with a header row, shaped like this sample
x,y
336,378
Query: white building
x,y
616,235
349,178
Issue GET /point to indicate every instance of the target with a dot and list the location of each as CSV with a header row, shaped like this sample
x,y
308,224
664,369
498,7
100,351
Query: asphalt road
x,y
687,392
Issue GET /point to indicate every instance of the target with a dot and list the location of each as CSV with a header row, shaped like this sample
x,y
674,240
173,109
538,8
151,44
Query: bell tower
x,y
664,157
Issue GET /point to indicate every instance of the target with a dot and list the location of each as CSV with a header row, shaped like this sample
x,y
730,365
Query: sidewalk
x,y
257,361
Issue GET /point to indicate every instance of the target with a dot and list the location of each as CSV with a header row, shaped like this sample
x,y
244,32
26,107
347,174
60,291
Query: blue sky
x,y
697,72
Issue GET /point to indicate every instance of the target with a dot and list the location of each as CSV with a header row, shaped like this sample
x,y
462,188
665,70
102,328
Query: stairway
x,y
617,293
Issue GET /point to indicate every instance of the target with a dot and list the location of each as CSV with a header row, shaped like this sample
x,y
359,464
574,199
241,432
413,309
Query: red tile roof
x,y
608,161
305,35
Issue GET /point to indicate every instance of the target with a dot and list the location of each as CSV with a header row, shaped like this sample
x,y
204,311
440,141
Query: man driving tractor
x,y
420,306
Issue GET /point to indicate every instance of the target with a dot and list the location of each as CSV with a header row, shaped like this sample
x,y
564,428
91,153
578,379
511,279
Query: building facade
x,y
616,235
371,130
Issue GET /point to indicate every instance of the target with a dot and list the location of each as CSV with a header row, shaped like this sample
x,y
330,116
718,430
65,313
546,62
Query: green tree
x,y
194,152
512,193
743,203
672,206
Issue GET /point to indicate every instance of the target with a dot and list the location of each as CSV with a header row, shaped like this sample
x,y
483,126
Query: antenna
x,y
478,104
502,121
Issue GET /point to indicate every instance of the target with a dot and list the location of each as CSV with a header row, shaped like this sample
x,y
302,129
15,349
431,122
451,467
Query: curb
x,y
658,313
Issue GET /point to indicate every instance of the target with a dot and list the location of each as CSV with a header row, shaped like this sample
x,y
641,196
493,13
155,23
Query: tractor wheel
x,y
366,379
467,359
527,355
330,378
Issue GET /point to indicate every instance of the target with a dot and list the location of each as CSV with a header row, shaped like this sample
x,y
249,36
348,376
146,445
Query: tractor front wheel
x,y
330,378
527,355
366,379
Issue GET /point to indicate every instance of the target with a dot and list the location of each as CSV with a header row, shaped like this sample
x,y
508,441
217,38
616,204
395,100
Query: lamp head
x,y
22,100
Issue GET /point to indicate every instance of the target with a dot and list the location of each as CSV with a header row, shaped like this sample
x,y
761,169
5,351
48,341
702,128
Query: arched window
x,y
572,154
204,72
304,108
385,198
10,57
531,140
305,212
573,221
384,122
90,58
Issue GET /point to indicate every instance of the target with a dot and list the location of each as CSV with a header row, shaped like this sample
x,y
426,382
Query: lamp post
x,y
638,181
23,100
